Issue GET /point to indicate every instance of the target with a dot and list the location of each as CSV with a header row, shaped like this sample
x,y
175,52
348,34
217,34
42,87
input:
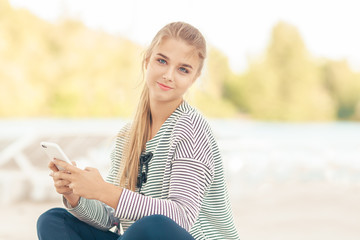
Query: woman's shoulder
x,y
192,122
192,117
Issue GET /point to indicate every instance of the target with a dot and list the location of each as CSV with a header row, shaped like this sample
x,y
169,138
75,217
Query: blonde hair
x,y
141,127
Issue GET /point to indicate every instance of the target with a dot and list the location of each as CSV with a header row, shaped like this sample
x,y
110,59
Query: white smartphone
x,y
54,151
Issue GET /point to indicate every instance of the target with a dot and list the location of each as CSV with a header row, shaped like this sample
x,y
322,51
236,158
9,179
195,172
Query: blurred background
x,y
281,89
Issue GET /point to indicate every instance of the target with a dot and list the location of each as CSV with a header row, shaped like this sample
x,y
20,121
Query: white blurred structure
x,y
254,153
23,166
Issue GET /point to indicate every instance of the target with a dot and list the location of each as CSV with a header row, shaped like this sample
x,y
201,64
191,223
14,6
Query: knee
x,y
48,218
158,220
156,227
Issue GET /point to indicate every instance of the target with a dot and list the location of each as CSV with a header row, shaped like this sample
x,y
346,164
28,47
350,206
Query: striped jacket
x,y
185,182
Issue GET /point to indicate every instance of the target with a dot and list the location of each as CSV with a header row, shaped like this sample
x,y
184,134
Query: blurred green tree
x,y
344,87
208,93
285,84
64,69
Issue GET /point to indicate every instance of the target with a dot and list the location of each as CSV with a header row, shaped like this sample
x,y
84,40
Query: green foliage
x,y
344,87
64,69
68,70
287,84
207,93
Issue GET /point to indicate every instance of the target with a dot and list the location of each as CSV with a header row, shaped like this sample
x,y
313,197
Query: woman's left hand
x,y
86,183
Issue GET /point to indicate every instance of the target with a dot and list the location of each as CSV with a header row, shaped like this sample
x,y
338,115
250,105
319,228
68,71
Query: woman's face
x,y
171,70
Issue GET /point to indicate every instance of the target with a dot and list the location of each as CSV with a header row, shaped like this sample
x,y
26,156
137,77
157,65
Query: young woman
x,y
166,179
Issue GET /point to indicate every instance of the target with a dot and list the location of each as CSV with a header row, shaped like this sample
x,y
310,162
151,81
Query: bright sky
x,y
241,29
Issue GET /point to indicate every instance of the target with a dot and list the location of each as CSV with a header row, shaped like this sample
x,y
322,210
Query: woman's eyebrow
x,y
186,65
162,55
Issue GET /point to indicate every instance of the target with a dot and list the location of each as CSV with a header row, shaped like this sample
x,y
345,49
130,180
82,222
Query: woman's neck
x,y
161,111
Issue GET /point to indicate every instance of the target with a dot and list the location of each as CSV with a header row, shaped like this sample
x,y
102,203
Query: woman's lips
x,y
164,87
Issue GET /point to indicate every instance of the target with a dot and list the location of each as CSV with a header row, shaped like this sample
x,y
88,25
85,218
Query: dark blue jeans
x,y
59,224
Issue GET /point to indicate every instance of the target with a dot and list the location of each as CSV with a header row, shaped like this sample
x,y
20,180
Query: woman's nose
x,y
169,74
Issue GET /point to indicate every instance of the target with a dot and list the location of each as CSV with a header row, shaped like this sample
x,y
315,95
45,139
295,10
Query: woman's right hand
x,y
62,185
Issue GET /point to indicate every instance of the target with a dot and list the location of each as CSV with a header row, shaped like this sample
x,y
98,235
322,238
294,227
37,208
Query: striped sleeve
x,y
190,176
94,213
189,180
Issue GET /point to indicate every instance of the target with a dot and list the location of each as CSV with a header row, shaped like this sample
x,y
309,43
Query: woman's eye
x,y
162,61
184,70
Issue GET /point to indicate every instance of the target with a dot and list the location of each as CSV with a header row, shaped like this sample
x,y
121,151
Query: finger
x,y
66,166
52,166
61,183
62,175
63,190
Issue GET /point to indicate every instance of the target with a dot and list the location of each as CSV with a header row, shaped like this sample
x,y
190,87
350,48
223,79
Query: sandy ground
x,y
301,211
286,211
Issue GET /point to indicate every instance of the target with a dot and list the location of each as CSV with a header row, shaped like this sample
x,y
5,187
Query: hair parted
x,y
141,126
